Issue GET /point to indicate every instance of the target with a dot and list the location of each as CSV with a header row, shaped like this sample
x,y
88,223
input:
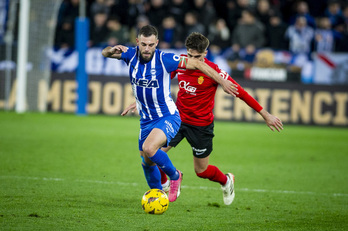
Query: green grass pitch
x,y
68,172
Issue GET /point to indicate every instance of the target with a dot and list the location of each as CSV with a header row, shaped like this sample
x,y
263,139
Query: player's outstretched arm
x,y
114,52
226,85
272,121
131,108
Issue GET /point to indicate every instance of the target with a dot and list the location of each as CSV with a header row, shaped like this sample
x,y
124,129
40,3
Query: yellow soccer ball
x,y
155,201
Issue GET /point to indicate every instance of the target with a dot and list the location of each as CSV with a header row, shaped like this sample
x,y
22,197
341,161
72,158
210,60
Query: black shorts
x,y
199,137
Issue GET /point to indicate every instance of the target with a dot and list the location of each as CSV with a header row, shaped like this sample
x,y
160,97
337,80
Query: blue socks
x,y
152,175
162,160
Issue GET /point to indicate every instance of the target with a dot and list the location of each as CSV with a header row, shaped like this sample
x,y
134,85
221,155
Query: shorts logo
x,y
200,79
169,126
199,151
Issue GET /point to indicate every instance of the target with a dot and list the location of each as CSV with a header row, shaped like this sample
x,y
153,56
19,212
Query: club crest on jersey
x,y
200,79
153,83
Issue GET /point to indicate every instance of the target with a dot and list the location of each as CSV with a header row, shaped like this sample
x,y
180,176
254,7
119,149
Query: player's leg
x,y
213,173
152,158
173,143
201,141
151,148
164,179
150,140
151,172
166,149
164,130
206,171
163,162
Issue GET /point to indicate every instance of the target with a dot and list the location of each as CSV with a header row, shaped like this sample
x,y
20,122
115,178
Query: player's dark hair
x,y
148,30
197,41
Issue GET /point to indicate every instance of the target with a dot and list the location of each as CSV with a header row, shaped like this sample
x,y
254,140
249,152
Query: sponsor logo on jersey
x,y
200,79
186,85
153,83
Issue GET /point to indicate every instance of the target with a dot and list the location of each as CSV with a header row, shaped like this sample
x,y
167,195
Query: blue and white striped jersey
x,y
151,82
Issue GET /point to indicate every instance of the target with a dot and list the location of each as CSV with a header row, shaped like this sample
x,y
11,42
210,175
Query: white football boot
x,y
228,189
166,186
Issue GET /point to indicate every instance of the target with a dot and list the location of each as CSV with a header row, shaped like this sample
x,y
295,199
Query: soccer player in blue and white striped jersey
x,y
149,71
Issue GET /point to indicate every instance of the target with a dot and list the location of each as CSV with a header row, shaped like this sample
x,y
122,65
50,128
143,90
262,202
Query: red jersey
x,y
196,95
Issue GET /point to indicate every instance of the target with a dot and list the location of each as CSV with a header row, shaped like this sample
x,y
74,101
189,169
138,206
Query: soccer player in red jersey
x,y
195,103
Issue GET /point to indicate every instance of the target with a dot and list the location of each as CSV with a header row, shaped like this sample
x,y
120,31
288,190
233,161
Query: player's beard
x,y
148,57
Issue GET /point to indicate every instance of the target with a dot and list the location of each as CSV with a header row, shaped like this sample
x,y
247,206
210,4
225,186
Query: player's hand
x,y
272,121
131,108
118,49
229,87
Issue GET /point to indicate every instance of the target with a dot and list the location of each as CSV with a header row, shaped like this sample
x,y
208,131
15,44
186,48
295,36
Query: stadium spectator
x,y
192,25
345,14
334,13
99,6
65,35
275,32
235,9
302,11
118,33
300,36
169,34
276,4
205,12
178,9
263,11
141,21
157,12
65,29
127,10
248,36
99,30
341,32
324,36
68,9
317,7
220,36
221,8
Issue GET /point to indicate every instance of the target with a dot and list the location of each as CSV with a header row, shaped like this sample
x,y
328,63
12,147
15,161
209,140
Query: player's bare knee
x,y
149,150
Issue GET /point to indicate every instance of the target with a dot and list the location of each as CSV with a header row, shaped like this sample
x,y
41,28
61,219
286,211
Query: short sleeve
x,y
170,61
127,56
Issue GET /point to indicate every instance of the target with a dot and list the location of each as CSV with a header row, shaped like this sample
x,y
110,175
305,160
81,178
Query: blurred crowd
x,y
235,27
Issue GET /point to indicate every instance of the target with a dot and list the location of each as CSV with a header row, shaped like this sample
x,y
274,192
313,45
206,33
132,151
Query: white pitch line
x,y
183,186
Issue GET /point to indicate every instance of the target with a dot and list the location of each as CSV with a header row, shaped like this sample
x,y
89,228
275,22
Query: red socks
x,y
213,173
163,176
